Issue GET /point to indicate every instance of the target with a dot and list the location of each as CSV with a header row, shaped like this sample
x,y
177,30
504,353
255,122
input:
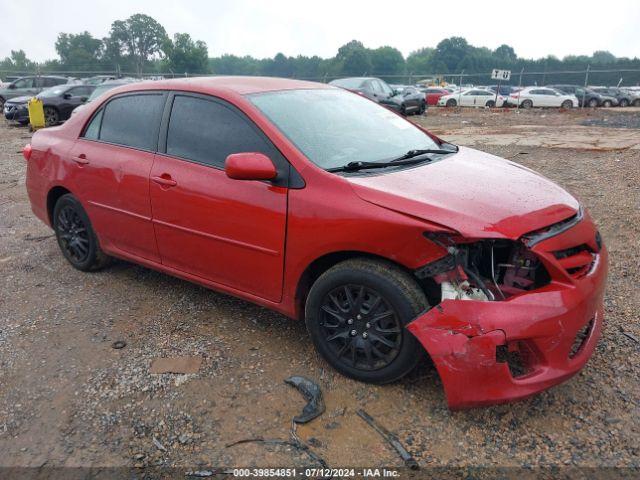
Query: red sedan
x,y
433,94
307,199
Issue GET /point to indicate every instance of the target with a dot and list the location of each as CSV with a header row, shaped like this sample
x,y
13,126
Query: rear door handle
x,y
165,180
80,159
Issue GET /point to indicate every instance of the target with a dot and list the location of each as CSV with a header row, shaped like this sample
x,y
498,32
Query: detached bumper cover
x,y
553,331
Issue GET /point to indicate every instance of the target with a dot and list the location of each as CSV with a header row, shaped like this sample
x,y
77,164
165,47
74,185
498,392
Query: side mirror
x,y
66,96
12,86
84,99
250,166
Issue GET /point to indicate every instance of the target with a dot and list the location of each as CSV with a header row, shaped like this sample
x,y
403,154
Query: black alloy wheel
x,y
75,235
356,313
360,327
51,116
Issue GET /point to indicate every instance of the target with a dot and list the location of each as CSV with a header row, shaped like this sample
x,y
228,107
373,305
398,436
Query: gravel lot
x,y
67,398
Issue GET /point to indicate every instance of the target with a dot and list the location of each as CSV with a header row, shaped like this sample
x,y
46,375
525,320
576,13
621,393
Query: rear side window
x,y
92,132
132,121
207,131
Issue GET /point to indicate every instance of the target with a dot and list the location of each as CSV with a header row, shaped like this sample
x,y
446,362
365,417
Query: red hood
x,y
477,194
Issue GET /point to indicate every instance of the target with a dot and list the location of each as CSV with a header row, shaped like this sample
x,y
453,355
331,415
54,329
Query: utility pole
x,y
586,82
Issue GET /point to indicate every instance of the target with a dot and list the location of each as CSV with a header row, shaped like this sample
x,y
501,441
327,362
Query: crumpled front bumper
x,y
465,338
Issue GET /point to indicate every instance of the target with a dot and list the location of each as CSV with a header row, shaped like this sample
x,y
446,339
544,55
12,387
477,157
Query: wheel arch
x,y
323,263
52,198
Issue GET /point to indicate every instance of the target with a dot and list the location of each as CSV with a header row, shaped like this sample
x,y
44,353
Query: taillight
x,y
26,151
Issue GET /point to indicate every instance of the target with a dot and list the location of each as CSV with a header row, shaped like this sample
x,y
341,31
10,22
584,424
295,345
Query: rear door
x,y
110,165
231,232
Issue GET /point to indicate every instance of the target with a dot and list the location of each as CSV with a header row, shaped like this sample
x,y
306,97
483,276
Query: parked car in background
x,y
634,93
505,90
379,91
389,243
585,96
98,79
433,94
29,86
624,98
542,97
58,103
472,97
102,88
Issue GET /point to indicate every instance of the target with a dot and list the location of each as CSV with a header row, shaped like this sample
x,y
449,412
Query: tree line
x,y
141,45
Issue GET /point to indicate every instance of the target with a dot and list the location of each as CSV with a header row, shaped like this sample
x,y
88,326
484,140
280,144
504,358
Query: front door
x,y
231,232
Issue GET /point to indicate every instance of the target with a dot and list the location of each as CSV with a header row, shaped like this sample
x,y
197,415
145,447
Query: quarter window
x,y
207,131
92,132
133,121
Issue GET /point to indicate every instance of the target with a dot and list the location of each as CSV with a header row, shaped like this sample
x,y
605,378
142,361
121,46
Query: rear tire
x,y
606,103
526,104
76,238
356,313
451,103
490,104
624,102
593,103
423,108
2,103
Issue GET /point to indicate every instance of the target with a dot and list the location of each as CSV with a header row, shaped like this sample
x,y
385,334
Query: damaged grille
x,y
577,261
581,338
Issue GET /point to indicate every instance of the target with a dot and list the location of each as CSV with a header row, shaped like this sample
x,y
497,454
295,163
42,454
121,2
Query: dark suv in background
x,y
379,91
587,97
58,103
29,86
624,98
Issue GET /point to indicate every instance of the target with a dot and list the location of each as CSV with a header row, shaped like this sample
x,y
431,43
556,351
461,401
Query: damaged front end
x,y
514,317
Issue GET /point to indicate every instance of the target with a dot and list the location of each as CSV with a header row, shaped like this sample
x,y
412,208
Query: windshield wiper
x,y
406,159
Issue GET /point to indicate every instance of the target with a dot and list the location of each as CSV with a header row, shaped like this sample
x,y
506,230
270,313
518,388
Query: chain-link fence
x,y
588,76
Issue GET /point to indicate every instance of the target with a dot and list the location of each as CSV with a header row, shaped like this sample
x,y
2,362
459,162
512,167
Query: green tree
x,y
387,61
603,56
450,52
505,54
140,37
354,59
186,56
18,62
79,51
421,61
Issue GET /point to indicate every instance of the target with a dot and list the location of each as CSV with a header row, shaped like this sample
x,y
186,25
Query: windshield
x,y
334,127
52,92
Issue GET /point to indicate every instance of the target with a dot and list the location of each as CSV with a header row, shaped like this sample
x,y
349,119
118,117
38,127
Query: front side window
x,y
207,131
332,127
24,83
133,120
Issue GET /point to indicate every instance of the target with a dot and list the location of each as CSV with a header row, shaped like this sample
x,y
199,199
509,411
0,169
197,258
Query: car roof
x,y
231,84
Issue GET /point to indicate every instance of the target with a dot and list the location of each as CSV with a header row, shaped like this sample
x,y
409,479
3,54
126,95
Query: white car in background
x,y
472,97
542,97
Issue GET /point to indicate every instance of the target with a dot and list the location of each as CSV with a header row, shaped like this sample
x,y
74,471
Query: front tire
x,y
423,108
490,104
51,116
593,103
527,104
606,103
356,314
567,104
76,238
451,103
624,103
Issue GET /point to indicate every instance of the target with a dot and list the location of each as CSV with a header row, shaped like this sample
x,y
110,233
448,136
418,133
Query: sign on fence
x,y
500,74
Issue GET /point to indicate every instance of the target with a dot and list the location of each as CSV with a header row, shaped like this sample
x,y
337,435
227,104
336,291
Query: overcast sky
x,y
264,28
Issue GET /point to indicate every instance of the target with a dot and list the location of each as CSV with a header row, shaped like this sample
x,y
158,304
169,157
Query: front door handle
x,y
80,159
165,180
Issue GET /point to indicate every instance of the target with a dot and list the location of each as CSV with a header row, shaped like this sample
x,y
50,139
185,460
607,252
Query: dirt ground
x,y
67,398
